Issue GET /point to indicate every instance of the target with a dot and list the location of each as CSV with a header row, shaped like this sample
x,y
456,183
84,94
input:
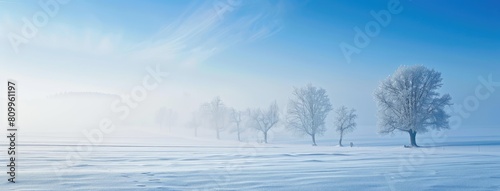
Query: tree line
x,y
408,101
305,115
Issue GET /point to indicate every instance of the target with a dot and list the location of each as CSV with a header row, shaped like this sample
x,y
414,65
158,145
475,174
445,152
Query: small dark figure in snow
x,y
352,144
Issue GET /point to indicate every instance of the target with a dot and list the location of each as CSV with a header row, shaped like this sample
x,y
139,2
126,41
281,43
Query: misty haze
x,y
250,95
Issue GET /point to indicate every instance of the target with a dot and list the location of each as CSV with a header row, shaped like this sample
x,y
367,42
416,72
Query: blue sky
x,y
256,51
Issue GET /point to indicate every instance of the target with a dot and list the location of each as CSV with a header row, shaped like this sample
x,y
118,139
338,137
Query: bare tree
x,y
264,120
216,112
408,101
344,121
160,117
237,118
308,110
195,123
166,118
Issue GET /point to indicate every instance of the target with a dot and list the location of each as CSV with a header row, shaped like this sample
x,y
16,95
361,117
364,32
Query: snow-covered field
x,y
222,165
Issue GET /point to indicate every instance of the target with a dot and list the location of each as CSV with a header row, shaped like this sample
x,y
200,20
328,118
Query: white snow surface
x,y
177,163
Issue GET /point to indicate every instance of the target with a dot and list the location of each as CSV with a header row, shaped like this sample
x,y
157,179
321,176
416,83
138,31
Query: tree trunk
x,y
218,136
413,135
265,137
340,140
239,139
196,131
314,139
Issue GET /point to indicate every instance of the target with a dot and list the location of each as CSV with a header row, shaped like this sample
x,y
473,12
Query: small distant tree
x,y
264,120
166,118
236,117
344,122
160,117
308,110
216,112
408,101
195,122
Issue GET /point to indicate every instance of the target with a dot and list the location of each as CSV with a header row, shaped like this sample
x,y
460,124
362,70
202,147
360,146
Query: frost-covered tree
x,y
160,117
264,120
216,112
408,101
308,110
344,121
236,117
166,118
195,122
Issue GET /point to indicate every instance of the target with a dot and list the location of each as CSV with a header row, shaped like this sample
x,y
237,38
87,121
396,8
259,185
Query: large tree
x,y
308,110
344,121
408,101
264,120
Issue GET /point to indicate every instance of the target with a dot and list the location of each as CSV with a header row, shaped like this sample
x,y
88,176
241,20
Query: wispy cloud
x,y
201,31
208,28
